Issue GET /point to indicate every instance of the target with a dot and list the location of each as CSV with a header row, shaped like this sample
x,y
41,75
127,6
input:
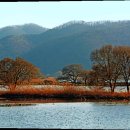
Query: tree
x,y
72,72
108,62
85,74
96,76
124,52
13,72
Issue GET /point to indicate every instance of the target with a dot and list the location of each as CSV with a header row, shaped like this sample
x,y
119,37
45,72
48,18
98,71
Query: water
x,y
67,115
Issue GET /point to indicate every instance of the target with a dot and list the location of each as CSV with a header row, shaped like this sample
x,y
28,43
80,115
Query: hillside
x,y
14,40
69,43
21,29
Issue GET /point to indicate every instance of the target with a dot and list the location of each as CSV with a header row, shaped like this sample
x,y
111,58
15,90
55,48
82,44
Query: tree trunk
x,y
12,87
114,86
113,89
128,88
85,82
110,84
127,85
75,80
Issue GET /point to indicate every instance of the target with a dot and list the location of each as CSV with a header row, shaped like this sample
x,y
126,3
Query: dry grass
x,y
64,91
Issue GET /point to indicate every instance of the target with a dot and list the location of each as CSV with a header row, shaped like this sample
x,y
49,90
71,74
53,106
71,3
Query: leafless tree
x,y
108,62
124,57
84,74
72,72
96,76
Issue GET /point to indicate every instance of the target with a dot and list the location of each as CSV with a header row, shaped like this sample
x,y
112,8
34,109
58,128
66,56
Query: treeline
x,y
110,66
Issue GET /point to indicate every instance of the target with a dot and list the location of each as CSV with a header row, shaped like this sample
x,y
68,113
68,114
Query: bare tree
x,y
124,57
84,75
72,72
96,75
13,72
108,62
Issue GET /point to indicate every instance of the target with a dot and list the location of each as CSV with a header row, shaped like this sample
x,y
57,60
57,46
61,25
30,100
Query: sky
x,y
51,14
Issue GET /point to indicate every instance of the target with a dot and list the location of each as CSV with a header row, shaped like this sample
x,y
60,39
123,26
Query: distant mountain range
x,y
21,29
72,42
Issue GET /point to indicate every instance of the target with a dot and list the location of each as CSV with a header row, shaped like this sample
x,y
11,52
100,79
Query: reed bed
x,y
64,91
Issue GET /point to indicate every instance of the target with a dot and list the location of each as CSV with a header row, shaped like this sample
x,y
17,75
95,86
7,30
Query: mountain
x,y
14,40
21,29
66,44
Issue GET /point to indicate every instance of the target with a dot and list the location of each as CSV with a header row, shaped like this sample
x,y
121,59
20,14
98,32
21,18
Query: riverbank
x,y
34,102
90,97
66,94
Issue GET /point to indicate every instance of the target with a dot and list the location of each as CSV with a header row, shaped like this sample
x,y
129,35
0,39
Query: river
x,y
85,115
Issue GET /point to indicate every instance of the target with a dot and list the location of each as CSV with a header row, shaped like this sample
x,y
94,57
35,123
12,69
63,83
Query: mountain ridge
x,y
29,28
68,43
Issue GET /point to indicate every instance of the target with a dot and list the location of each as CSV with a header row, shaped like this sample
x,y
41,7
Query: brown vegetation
x,y
64,92
111,68
18,71
50,81
112,64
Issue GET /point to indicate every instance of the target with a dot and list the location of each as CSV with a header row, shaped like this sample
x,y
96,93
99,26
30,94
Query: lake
x,y
85,115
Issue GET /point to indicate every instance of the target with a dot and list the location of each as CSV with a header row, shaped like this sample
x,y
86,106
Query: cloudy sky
x,y
51,14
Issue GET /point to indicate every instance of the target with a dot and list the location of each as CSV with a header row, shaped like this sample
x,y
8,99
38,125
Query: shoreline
x,y
30,102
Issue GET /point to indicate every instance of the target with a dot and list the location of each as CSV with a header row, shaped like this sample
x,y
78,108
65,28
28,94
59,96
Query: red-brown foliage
x,y
66,91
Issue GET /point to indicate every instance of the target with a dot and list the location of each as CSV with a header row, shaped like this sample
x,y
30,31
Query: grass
x,y
63,91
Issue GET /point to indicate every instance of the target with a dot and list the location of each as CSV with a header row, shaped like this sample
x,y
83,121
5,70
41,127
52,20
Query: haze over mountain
x,y
21,29
66,44
13,39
